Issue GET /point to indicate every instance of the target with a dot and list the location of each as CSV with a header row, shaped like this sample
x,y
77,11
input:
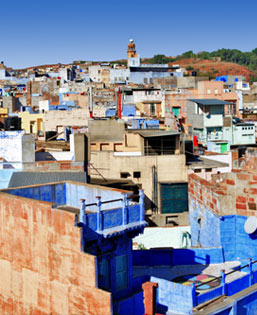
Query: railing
x,y
223,288
101,219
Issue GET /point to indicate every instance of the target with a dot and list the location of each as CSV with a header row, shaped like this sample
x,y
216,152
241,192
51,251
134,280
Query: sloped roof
x,y
210,101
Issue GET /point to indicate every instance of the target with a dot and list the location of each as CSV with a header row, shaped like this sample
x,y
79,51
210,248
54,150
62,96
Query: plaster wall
x,y
170,168
42,268
162,237
75,117
16,147
36,120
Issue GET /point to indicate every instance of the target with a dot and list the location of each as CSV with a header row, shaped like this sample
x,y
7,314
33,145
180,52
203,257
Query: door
x,y
121,272
224,148
175,111
174,198
103,273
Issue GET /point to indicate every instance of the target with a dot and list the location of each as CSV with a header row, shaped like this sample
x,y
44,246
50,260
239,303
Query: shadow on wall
x,y
44,156
173,257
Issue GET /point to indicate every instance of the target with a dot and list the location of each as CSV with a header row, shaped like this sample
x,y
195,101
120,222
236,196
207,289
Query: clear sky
x,y
37,32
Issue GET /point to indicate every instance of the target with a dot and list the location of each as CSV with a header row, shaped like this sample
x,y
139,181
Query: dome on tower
x,y
131,45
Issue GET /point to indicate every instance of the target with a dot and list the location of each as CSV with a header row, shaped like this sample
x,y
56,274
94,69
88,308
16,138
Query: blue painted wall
x,y
205,233
89,192
132,305
52,193
209,230
247,305
237,244
173,297
173,257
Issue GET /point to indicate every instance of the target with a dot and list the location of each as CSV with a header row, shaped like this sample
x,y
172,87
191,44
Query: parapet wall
x,y
42,269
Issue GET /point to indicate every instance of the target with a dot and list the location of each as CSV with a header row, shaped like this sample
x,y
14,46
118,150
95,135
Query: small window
x,y
137,174
197,170
208,91
208,169
124,174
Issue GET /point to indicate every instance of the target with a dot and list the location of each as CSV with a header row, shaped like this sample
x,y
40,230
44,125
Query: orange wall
x,y
42,269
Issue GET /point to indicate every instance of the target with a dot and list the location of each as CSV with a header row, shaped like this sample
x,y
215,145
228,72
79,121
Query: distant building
x,y
207,120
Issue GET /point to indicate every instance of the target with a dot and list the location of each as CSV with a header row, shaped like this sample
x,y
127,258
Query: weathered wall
x,y
218,211
75,117
106,130
34,121
42,269
170,168
17,148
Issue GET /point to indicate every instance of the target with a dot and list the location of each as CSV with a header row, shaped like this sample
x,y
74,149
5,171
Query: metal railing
x,y
228,273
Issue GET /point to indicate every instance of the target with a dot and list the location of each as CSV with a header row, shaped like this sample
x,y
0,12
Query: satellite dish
x,y
250,225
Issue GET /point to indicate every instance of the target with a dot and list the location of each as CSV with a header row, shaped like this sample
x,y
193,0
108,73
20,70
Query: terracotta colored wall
x,y
56,166
42,269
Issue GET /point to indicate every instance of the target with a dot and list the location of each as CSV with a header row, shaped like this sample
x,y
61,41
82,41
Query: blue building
x,y
108,220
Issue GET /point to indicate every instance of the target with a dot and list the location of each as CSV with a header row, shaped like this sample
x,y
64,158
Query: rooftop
x,y
99,209
210,102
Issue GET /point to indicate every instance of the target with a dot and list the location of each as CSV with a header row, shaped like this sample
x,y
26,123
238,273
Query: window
x,y
197,170
124,174
208,91
208,169
216,91
137,174
152,109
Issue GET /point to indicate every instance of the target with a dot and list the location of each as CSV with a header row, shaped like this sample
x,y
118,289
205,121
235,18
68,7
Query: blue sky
x,y
38,32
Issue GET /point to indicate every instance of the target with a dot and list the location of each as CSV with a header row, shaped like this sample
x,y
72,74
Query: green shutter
x,y
174,198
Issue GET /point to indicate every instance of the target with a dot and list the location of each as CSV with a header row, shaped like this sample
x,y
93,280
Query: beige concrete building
x,y
151,159
56,120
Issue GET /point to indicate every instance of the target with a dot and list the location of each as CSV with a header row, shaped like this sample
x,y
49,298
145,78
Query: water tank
x,y
12,123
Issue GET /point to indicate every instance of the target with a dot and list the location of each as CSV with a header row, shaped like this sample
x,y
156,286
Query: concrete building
x,y
71,256
144,73
57,120
145,157
207,120
218,274
21,163
148,101
32,123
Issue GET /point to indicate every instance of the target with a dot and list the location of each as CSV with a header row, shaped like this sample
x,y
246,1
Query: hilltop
x,y
214,67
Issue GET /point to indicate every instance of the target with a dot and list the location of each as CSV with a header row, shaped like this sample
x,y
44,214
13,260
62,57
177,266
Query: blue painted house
x,y
108,220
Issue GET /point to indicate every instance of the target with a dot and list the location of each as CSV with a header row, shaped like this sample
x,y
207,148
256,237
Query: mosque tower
x,y
131,49
133,57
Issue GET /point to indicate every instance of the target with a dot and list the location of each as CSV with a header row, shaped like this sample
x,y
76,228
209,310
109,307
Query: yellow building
x,y
32,123
3,112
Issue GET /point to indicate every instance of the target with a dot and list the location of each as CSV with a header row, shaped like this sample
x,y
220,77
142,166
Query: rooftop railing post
x,y
223,282
125,210
193,290
250,272
142,205
82,211
99,214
